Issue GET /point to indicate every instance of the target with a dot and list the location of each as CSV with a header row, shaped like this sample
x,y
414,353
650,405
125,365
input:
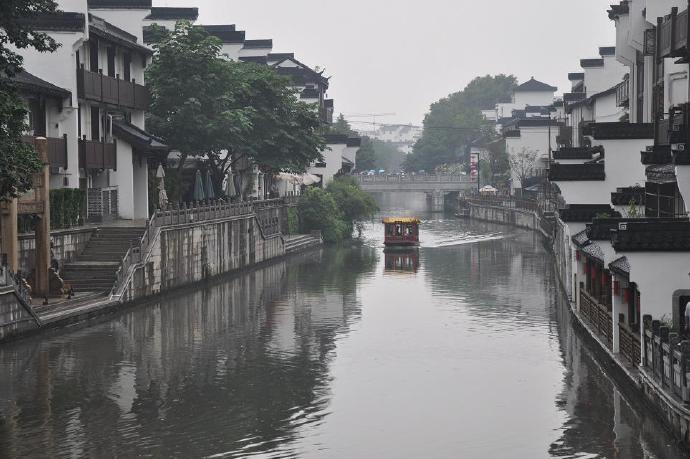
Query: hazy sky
x,y
400,56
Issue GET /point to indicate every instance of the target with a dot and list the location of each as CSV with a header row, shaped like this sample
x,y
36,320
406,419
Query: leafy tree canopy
x,y
376,154
318,210
455,121
18,161
205,105
342,126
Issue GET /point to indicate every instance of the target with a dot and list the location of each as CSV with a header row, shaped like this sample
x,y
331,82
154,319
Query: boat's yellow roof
x,y
402,220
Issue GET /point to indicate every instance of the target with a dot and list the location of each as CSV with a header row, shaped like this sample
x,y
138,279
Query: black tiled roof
x,y
581,239
607,51
536,122
219,28
661,173
619,10
594,251
576,76
62,22
225,34
255,59
512,133
587,63
624,196
258,44
336,139
585,213
620,130
123,4
652,235
577,172
139,138
302,76
31,83
656,154
354,142
571,97
158,12
681,157
535,85
276,57
577,152
620,267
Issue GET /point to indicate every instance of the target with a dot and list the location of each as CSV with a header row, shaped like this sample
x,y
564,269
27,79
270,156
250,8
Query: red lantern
x,y
626,295
577,255
604,278
616,287
594,272
586,268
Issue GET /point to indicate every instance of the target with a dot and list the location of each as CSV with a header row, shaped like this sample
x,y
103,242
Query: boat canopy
x,y
400,220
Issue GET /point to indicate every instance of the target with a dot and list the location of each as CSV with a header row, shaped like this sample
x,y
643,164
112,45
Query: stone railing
x,y
196,212
10,279
667,358
413,179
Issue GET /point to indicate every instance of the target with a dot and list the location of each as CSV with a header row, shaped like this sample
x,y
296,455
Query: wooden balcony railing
x,y
673,34
623,93
57,150
97,155
598,316
103,88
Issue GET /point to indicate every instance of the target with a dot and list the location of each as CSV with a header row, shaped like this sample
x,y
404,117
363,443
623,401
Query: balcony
x,y
57,150
102,88
673,35
623,93
630,344
565,136
577,172
97,155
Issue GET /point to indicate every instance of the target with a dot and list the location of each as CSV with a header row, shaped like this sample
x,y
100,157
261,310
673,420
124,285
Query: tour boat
x,y
401,232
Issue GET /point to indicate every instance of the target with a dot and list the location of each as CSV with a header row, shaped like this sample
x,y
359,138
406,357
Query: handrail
x,y
14,280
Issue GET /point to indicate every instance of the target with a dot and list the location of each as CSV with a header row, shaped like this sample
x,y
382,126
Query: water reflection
x,y
402,260
463,348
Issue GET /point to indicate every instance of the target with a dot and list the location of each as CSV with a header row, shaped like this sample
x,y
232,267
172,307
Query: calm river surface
x,y
465,350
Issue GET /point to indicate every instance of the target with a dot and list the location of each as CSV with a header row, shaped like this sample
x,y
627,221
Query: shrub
x,y
319,211
66,207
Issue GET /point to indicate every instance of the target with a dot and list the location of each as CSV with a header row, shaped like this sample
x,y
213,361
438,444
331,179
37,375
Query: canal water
x,y
464,348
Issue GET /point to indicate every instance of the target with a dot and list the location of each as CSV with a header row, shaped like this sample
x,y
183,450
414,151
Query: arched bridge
x,y
436,187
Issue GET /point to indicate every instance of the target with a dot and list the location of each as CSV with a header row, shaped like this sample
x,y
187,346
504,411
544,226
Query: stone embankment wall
x,y
14,318
186,253
515,217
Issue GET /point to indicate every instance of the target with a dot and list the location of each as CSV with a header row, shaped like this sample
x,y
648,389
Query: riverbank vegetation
x,y
455,122
336,210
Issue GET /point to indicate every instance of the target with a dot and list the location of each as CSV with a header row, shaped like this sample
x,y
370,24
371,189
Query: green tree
x,y
455,121
17,160
366,156
318,210
354,203
342,126
204,105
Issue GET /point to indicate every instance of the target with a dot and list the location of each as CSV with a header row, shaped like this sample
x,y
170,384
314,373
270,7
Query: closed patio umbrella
x,y
210,192
199,194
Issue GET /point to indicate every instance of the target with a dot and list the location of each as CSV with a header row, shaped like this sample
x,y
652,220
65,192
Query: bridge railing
x,y
414,179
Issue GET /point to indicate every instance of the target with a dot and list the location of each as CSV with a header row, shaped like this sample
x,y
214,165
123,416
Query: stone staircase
x,y
94,270
299,242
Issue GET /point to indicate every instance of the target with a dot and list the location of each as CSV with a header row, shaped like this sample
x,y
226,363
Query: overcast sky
x,y
400,56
